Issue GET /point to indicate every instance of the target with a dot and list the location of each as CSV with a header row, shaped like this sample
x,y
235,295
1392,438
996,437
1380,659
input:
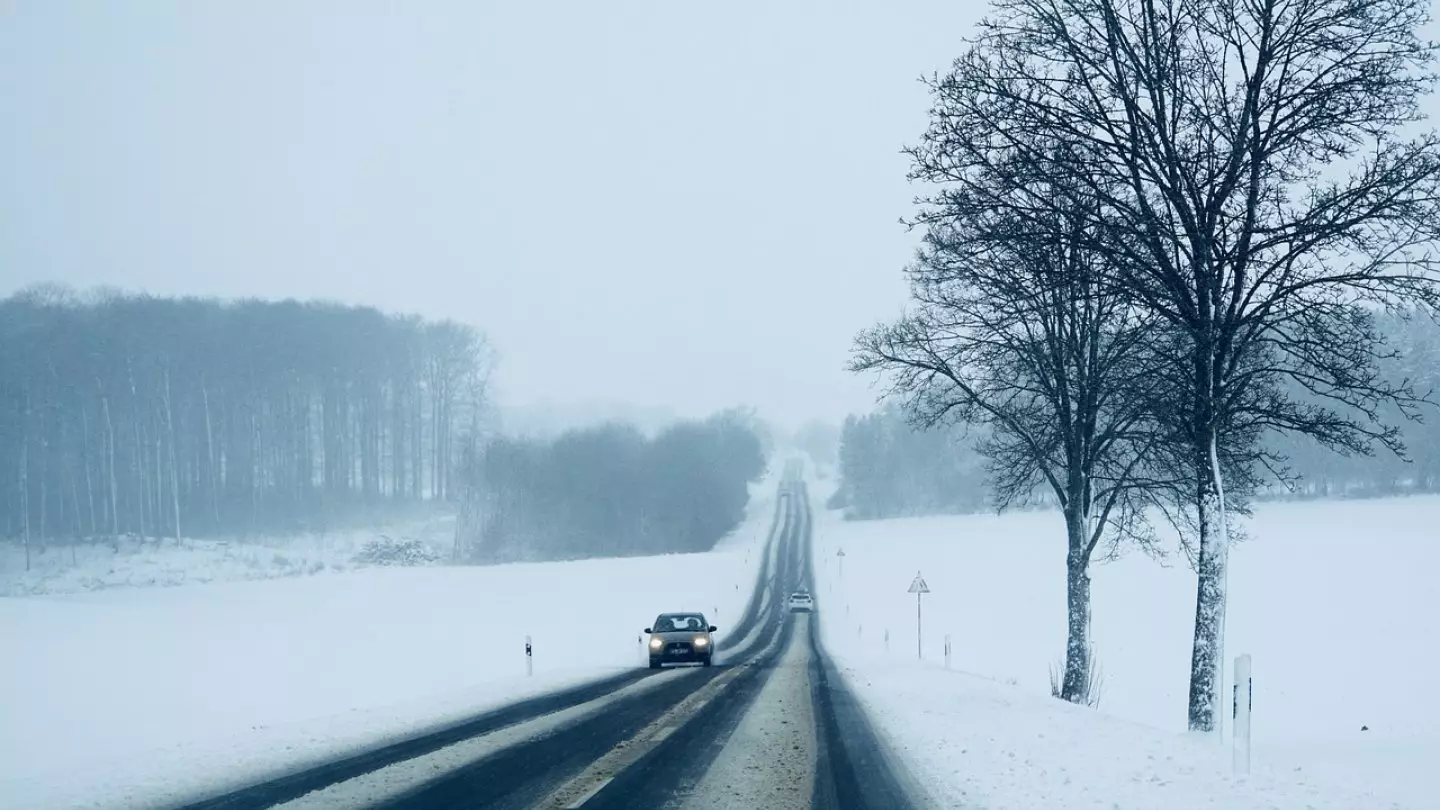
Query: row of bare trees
x,y
157,417
1160,233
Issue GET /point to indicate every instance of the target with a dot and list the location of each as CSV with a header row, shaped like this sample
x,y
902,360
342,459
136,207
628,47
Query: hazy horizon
x,y
674,207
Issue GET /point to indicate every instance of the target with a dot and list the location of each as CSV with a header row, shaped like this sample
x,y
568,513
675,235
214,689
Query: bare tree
x,y
1016,329
1256,192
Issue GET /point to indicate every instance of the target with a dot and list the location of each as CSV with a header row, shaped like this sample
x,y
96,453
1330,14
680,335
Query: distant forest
x,y
131,415
610,490
1313,471
889,468
135,415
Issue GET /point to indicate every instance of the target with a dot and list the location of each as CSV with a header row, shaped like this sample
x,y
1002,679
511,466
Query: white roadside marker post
x,y
887,639
947,650
840,555
1244,694
918,587
529,659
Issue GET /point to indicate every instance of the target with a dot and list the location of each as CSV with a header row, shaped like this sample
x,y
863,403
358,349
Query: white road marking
x,y
394,780
575,805
662,734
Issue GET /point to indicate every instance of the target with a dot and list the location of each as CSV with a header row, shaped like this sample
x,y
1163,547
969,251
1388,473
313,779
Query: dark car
x,y
678,638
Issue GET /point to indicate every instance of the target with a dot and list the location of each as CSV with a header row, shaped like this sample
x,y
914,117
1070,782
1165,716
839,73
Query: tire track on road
x,y
295,784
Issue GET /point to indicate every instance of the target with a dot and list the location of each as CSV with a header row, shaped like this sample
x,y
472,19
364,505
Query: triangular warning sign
x,y
919,586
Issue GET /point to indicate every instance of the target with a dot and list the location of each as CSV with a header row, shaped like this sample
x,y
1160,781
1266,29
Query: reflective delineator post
x,y
947,650
1244,695
529,657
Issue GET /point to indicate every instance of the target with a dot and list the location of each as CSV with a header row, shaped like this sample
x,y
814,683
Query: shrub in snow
x,y
385,551
1094,683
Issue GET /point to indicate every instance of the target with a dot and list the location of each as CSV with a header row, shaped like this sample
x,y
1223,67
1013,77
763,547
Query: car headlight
x,y
656,643
701,641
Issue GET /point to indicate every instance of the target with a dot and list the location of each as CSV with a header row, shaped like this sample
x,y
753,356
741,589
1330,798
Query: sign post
x,y
918,587
1244,694
529,657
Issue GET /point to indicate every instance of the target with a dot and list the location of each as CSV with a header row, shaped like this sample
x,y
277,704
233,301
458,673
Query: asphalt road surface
x,y
771,725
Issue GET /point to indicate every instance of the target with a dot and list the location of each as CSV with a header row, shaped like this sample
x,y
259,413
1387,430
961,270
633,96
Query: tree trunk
x,y
44,488
211,470
397,443
1075,686
25,490
89,481
78,519
256,471
109,451
158,490
417,460
435,448
142,489
1208,651
174,457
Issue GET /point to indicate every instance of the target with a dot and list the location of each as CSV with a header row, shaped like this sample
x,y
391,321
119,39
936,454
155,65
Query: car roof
x,y
684,615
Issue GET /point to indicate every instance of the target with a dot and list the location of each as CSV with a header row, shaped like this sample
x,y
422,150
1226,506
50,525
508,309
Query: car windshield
x,y
679,623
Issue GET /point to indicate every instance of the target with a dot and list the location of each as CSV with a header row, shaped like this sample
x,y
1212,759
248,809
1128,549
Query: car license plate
x,y
678,651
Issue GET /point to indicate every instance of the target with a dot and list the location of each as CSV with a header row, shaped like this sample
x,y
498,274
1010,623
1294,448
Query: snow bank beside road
x,y
1334,610
163,562
980,743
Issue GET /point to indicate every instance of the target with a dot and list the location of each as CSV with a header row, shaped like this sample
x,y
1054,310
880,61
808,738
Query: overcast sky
x,y
680,205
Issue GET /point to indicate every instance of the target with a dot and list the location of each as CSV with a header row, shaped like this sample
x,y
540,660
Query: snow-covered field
x,y
1332,599
126,697
150,562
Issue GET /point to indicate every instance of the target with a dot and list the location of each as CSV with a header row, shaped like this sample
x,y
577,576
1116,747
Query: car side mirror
x,y
713,628
648,630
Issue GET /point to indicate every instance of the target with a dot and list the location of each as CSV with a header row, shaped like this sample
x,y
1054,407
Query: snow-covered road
x,y
769,760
